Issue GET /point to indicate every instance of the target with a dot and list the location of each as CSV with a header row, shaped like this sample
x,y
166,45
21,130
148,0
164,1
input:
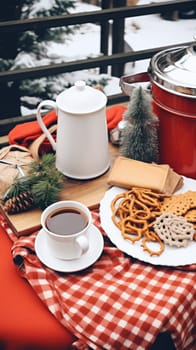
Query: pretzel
x,y
133,228
174,230
153,237
133,212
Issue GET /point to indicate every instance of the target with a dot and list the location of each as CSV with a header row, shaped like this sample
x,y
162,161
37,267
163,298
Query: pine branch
x,y
41,186
41,168
44,193
20,185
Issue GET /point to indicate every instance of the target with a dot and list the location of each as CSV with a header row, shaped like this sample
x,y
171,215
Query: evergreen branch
x,y
42,167
44,194
44,182
20,185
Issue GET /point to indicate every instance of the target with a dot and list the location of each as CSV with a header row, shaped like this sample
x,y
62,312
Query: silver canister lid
x,y
174,70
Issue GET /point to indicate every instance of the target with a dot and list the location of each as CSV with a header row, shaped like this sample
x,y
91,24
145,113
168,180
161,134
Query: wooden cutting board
x,y
88,192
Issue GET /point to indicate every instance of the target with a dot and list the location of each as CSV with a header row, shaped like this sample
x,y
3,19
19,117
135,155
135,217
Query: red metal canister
x,y
173,83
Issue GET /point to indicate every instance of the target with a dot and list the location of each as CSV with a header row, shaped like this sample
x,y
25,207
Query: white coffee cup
x,y
66,225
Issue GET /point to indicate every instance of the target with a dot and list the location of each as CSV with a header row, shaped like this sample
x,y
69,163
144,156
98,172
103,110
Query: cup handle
x,y
46,103
83,243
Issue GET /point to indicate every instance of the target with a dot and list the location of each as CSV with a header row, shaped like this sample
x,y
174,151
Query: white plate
x,y
95,249
171,256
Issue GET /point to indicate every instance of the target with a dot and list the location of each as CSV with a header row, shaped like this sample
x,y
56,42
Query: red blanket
x,y
24,134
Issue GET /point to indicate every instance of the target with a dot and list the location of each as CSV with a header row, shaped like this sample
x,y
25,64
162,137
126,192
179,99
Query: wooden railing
x,y
116,60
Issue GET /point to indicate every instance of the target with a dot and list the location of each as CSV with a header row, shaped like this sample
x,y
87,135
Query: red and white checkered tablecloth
x,y
119,302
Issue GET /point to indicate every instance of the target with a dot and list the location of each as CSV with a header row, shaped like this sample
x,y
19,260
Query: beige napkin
x,y
129,172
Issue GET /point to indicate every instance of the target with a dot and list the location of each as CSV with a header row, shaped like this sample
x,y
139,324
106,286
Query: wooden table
x,y
89,192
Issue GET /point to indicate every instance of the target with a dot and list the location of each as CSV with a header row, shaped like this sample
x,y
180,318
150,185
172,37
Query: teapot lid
x,y
81,99
175,70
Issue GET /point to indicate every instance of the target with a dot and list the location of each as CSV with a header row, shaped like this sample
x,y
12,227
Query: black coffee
x,y
66,221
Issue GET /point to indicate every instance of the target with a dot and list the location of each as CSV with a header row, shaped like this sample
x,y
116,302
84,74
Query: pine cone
x,y
22,202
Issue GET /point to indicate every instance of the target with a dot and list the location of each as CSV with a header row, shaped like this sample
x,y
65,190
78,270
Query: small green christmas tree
x,y
140,136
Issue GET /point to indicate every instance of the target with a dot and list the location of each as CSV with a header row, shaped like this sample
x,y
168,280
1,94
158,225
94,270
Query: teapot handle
x,y
46,103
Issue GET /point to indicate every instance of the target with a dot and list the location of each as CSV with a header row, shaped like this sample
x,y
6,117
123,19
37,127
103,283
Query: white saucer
x,y
96,244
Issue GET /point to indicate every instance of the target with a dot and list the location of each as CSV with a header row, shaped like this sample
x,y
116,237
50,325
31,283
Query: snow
x,y
153,31
141,32
41,5
82,44
147,36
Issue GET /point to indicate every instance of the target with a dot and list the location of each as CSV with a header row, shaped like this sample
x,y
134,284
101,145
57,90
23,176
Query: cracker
x,y
190,215
175,205
179,204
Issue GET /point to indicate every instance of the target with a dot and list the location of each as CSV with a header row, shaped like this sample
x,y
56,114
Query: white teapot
x,y
82,140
